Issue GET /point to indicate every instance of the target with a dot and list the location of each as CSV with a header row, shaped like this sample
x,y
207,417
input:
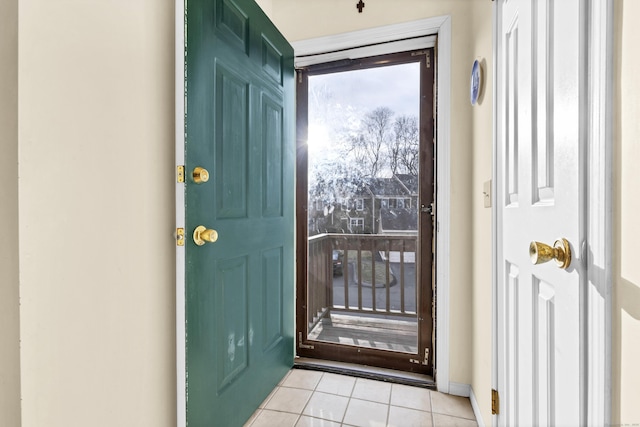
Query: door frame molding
x,y
181,350
414,32
597,76
599,204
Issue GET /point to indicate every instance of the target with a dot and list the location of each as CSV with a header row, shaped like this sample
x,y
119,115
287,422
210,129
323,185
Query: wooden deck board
x,y
371,332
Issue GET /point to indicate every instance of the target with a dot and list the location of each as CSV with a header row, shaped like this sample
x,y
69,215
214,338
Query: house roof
x,y
409,181
386,187
398,219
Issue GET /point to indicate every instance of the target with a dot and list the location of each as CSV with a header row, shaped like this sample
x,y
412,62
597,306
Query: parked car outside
x,y
337,262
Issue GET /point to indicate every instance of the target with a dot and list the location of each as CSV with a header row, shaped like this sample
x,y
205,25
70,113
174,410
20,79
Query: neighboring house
x,y
398,221
353,216
389,194
380,200
410,183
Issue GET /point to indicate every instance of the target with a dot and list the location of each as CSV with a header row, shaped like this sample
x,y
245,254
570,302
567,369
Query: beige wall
x,y
96,203
626,308
482,145
470,306
9,303
266,6
97,213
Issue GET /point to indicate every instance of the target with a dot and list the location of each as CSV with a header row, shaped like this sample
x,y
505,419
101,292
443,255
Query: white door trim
x,y
441,27
181,350
599,210
598,79
495,235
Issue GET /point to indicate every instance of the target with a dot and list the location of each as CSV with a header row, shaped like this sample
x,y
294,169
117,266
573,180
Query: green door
x,y
239,289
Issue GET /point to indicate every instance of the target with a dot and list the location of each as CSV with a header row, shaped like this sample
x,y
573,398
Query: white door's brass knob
x,y
200,175
560,252
202,235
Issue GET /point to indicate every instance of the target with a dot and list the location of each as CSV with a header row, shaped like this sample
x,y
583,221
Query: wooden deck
x,y
380,332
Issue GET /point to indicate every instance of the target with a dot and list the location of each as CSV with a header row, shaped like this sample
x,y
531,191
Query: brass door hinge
x,y
180,173
179,236
495,402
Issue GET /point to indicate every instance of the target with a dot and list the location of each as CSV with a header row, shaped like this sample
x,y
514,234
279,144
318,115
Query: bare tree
x,y
321,103
334,181
406,145
369,143
394,148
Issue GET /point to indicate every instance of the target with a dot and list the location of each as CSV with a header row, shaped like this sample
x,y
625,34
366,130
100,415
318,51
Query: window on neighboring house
x,y
356,225
359,204
402,203
384,203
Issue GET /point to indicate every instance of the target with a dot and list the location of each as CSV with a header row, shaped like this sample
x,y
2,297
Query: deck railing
x,y
378,275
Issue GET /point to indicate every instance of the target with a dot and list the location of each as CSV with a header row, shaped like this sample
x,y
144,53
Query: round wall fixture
x,y
476,81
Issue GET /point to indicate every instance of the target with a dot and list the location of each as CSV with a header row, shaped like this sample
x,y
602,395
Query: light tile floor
x,y
316,399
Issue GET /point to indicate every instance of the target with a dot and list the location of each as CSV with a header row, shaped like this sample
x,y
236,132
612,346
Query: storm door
x,y
365,192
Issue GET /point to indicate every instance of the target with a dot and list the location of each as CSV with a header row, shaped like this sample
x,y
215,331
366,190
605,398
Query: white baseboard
x,y
465,390
476,408
458,389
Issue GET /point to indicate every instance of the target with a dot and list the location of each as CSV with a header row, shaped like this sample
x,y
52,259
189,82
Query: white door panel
x,y
539,199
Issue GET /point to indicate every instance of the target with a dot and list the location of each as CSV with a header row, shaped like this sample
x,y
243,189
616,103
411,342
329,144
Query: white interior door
x,y
539,197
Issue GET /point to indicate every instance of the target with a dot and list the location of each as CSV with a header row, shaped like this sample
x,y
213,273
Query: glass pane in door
x,y
363,151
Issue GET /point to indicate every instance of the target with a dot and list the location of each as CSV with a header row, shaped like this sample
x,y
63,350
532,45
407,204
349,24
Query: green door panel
x,y
231,163
239,290
272,158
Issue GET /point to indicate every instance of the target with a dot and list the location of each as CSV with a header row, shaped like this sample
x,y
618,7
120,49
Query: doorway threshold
x,y
363,371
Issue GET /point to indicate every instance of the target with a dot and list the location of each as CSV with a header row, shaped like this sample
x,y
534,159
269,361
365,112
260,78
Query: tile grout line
x,y
310,396
273,393
433,420
350,398
348,402
268,399
389,405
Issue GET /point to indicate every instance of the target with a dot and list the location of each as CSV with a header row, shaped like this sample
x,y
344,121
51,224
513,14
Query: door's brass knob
x,y
202,235
200,175
560,252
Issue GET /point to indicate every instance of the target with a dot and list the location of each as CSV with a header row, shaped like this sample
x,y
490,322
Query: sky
x,y
338,101
395,86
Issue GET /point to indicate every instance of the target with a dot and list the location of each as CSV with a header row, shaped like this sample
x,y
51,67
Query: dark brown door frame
x,y
426,244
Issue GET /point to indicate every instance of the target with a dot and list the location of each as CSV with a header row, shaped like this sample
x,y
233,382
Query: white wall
x,y
9,303
97,213
626,310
